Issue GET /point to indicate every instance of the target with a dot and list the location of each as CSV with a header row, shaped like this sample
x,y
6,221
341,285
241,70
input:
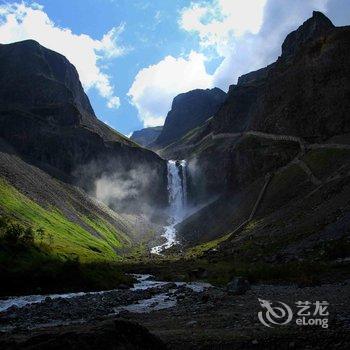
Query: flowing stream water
x,y
161,300
177,193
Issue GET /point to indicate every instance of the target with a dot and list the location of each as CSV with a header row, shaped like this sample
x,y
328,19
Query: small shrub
x,y
41,234
13,233
28,236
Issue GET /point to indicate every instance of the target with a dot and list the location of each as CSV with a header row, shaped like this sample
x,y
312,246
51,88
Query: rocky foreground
x,y
180,316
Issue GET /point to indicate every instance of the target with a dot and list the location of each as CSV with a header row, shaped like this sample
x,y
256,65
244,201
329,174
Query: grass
x,y
323,162
33,269
29,266
201,249
107,231
68,237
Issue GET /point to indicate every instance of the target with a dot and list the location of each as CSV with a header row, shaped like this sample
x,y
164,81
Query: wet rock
x,y
166,288
238,286
122,313
182,289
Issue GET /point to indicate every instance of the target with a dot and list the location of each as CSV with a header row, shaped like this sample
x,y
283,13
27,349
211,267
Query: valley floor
x,y
212,318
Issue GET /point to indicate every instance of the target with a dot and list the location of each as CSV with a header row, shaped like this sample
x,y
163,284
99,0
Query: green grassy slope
x,y
67,237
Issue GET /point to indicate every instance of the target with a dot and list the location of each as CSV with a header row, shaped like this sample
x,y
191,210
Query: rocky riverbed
x,y
190,316
145,296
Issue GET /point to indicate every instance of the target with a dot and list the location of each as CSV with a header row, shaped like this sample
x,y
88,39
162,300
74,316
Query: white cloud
x,y
20,21
216,22
113,102
247,35
109,43
155,87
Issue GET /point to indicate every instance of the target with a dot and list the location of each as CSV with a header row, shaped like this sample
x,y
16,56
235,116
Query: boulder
x,y
238,286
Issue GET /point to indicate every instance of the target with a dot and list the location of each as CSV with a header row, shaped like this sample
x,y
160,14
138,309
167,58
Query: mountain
x,y
274,160
53,152
146,136
46,116
189,110
305,93
77,224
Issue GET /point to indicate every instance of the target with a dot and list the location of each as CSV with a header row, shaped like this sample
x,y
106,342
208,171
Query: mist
x,y
122,186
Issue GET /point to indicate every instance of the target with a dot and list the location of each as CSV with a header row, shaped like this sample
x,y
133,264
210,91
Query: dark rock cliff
x,y
189,110
305,93
146,136
47,117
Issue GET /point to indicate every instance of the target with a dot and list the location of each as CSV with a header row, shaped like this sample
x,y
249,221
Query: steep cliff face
x,y
46,116
289,121
305,93
189,110
146,136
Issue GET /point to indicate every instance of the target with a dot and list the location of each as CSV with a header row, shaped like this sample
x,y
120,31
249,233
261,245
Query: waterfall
x,y
177,193
184,183
177,188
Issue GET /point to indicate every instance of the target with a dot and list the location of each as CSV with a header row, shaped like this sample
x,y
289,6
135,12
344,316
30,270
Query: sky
x,y
134,56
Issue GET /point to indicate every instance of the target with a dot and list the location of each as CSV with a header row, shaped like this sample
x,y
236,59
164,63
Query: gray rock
x,y
238,286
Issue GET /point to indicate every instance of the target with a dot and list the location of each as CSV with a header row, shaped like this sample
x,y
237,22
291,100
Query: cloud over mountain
x,y
154,87
243,35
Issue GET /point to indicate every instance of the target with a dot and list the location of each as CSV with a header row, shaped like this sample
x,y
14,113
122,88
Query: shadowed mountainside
x,y
146,136
189,110
46,116
52,150
285,130
304,93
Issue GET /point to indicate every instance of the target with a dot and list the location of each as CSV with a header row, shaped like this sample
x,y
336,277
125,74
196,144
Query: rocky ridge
x,y
46,116
289,121
146,136
189,110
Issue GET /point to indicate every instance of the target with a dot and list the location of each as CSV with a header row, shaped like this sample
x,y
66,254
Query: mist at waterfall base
x,y
177,189
129,192
126,193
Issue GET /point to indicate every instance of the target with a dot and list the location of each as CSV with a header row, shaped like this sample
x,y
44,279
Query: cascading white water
x,y
177,188
177,192
184,184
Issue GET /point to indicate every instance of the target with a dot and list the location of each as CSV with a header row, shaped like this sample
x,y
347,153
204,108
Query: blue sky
x,y
133,57
147,38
